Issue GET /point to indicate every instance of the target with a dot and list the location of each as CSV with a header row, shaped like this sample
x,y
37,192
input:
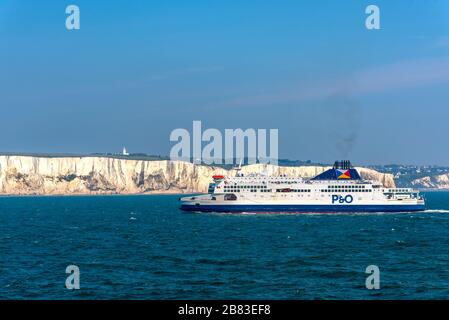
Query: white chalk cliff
x,y
24,175
434,182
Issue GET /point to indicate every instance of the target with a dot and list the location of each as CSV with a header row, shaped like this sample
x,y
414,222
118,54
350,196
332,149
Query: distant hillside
x,y
417,176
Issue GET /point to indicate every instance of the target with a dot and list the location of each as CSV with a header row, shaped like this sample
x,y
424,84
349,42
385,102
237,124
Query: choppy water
x,y
143,247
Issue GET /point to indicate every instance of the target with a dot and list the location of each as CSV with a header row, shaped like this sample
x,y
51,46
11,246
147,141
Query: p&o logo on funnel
x,y
343,174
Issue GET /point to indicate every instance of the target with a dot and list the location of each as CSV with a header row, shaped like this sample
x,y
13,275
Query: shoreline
x,y
152,193
15,195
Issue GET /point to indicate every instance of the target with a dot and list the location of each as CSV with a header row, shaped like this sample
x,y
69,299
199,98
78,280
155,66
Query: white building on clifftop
x,y
124,152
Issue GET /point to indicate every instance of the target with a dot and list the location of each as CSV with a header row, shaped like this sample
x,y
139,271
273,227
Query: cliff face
x,y
435,182
101,175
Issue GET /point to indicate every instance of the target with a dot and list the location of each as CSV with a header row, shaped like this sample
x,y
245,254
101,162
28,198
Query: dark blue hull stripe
x,y
303,208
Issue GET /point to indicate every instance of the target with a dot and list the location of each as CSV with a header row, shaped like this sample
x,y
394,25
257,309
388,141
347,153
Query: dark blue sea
x,y
144,247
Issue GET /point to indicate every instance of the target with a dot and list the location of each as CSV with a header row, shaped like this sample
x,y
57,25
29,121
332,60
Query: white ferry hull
x,y
300,208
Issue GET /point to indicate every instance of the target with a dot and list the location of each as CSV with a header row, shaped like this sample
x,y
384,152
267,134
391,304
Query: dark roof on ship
x,y
342,170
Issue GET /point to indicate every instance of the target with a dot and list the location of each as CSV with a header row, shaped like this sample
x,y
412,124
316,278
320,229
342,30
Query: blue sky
x,y
136,70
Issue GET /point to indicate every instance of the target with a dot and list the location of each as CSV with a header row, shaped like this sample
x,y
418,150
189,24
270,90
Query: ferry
x,y
338,189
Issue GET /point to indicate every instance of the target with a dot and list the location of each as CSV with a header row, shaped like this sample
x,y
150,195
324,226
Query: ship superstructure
x,y
338,189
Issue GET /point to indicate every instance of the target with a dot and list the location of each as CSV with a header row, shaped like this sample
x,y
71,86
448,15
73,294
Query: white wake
x,y
436,211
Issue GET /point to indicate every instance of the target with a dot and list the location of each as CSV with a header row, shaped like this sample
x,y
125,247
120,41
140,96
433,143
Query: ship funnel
x,y
343,165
